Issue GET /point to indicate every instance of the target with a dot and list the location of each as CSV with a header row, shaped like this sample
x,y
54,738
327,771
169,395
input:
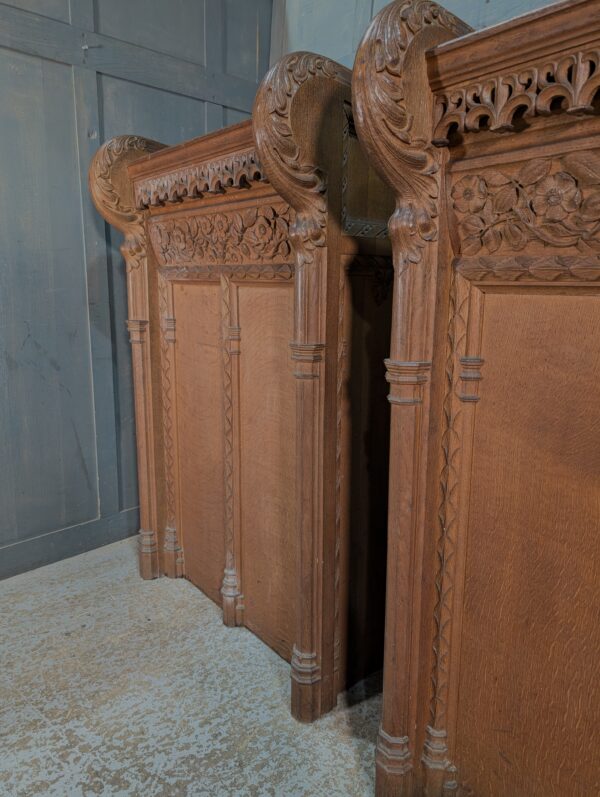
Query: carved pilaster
x,y
112,194
293,165
393,113
173,552
231,589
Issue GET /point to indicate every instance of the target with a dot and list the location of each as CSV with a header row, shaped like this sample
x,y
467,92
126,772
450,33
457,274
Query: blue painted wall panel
x,y
175,27
49,422
335,27
67,436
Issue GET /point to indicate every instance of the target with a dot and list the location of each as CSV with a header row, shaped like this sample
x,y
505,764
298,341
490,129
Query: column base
x,y
148,554
306,703
394,769
172,554
233,600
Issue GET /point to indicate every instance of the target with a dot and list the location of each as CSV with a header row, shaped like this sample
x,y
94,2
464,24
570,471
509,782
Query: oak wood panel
x,y
200,433
268,464
65,88
530,617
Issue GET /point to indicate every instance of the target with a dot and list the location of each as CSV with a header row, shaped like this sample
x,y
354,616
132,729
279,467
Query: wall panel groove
x,y
73,73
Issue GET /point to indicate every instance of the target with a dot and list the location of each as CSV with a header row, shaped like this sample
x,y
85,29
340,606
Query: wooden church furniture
x,y
259,276
491,144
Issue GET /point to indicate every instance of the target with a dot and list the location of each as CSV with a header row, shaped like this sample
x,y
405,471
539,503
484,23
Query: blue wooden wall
x,y
335,27
73,73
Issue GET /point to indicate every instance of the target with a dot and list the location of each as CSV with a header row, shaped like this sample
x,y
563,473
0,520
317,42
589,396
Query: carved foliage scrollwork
x,y
568,84
111,191
257,235
387,123
300,181
554,203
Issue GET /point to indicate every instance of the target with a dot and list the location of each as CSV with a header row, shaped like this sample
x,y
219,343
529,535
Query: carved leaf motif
x,y
471,245
505,199
492,239
535,171
495,179
515,235
584,166
590,209
557,235
472,225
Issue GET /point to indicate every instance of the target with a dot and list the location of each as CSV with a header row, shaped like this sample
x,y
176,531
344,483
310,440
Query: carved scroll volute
x,y
393,113
112,194
297,108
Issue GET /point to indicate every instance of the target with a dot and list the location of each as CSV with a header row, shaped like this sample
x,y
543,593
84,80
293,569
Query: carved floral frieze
x,y
555,203
568,84
256,235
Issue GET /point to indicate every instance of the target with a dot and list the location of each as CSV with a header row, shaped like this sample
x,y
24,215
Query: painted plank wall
x,y
335,27
73,73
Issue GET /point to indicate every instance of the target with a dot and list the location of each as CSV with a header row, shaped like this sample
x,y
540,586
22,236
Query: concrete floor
x,y
114,686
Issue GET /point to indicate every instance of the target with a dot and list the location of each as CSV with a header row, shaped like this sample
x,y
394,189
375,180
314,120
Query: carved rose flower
x,y
556,197
469,194
260,235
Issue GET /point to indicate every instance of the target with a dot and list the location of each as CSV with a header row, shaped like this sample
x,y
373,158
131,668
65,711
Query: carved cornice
x,y
238,170
255,235
567,84
112,193
392,113
300,181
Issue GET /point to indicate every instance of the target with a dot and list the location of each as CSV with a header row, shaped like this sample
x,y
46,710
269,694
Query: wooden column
x,y
394,119
298,106
113,196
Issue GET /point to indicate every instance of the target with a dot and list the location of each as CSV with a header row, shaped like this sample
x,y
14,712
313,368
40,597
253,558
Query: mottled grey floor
x,y
115,686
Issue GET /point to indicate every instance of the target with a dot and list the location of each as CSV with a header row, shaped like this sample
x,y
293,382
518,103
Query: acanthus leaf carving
x,y
302,182
112,193
394,136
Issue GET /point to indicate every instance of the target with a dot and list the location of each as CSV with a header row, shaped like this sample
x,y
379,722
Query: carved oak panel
x,y
261,306
490,687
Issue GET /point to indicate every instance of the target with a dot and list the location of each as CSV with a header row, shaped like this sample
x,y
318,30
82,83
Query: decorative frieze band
x,y
255,235
267,271
549,202
569,84
525,268
234,171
